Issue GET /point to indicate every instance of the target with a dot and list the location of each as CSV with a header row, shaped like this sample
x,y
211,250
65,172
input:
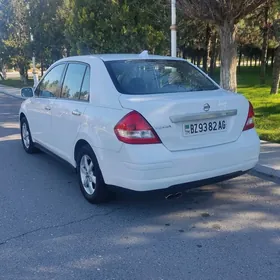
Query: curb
x,y
12,95
268,171
2,90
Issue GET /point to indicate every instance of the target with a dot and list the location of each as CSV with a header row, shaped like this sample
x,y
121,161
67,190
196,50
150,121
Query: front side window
x,y
50,86
73,81
157,76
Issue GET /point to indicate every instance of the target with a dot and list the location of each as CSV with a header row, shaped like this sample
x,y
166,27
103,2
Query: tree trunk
x,y
264,45
267,62
192,59
22,75
276,72
26,76
198,59
272,57
213,54
228,79
206,57
42,67
3,72
239,60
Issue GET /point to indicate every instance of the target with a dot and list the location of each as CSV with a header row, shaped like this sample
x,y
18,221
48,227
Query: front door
x,y
41,105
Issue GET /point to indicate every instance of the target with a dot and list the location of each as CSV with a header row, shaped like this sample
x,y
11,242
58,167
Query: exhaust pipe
x,y
173,196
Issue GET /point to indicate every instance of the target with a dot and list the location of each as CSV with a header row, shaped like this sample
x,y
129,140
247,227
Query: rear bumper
x,y
153,167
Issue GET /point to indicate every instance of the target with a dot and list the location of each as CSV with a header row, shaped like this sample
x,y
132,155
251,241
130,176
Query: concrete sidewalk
x,y
269,163
15,92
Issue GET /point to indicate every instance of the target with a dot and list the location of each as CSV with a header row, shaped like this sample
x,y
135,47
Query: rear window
x,y
157,76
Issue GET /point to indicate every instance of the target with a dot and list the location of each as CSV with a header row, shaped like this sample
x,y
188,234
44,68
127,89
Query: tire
x,y
26,137
91,181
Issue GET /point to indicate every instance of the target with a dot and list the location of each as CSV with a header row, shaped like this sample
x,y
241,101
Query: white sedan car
x,y
139,122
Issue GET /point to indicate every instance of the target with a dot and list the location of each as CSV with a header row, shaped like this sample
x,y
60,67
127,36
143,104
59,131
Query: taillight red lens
x,y
250,119
134,129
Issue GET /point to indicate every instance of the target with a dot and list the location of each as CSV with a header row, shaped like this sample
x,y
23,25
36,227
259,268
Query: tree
x,y
213,53
265,30
5,10
249,38
276,67
206,57
225,14
96,26
47,29
17,41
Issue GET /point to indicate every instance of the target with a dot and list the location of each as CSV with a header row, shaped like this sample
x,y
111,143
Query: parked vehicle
x,y
139,122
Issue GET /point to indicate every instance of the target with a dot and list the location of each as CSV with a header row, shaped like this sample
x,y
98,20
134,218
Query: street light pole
x,y
173,29
34,72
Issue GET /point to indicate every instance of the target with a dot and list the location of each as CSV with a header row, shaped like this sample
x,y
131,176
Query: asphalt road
x,y
48,231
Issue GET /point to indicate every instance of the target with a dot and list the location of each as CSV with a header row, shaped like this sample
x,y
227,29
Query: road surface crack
x,y
58,226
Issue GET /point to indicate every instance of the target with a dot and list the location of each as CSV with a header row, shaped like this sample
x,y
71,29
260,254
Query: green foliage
x,y
267,107
4,16
99,26
16,83
64,27
47,29
17,35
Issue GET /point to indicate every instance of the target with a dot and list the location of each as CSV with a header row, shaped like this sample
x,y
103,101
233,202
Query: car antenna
x,y
144,54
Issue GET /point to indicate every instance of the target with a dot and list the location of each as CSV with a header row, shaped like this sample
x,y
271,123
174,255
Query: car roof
x,y
112,57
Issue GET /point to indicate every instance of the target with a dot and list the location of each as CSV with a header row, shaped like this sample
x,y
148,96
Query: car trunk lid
x,y
192,120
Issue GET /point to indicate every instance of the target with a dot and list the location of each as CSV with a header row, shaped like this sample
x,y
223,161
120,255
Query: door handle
x,y
48,108
76,113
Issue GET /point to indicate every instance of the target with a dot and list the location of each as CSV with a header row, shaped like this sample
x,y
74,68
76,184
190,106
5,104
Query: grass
x,y
267,106
17,83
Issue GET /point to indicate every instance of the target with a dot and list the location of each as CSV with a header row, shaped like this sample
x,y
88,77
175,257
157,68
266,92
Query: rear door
x,y
68,110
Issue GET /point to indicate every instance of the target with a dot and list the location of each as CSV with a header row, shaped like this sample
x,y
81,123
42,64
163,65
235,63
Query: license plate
x,y
204,127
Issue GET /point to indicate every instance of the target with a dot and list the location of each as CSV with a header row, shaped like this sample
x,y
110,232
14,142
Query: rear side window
x,y
86,86
157,76
73,81
50,86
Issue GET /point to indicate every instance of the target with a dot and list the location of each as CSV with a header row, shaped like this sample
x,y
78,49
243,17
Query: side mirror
x,y
27,92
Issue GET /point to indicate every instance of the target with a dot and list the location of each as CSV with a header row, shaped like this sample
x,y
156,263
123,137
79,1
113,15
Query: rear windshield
x,y
157,76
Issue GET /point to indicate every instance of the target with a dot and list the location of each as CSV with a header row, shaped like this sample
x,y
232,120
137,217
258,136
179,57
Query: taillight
x,y
134,129
250,119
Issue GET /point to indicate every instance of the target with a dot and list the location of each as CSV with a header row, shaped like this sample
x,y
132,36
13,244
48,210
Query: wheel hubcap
x,y
87,173
25,135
